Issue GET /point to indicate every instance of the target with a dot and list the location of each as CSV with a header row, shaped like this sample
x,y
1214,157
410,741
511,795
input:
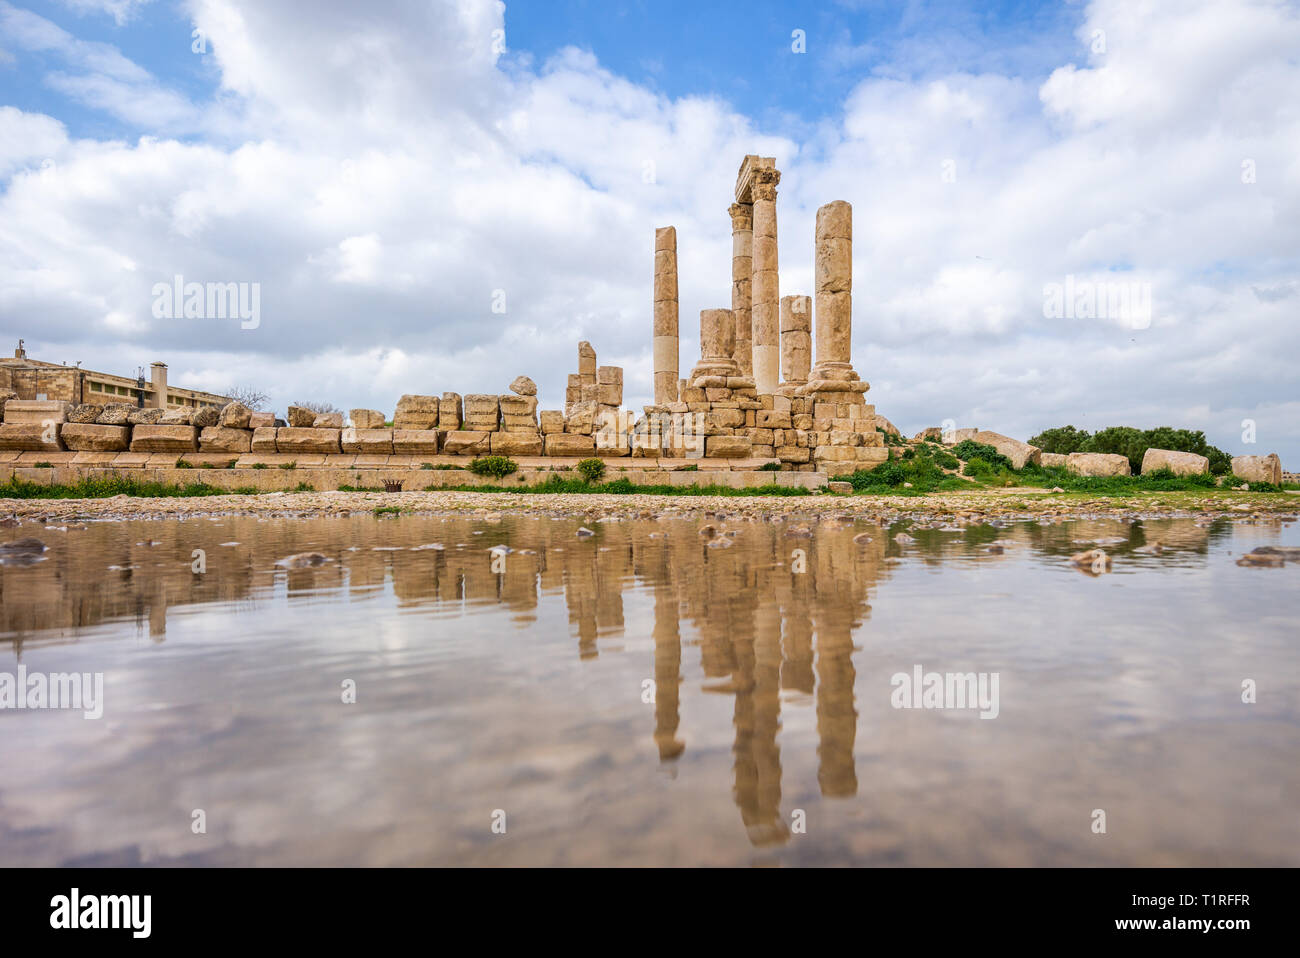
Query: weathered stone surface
x,y
449,411
482,412
551,421
581,418
1258,468
368,442
297,439
235,415
116,414
727,447
20,411
264,439
570,444
367,419
523,386
516,444
31,436
416,442
139,417
178,416
417,412
300,417
1180,463
205,416
259,420
466,443
956,436
225,439
328,420
164,437
85,412
1095,464
1020,453
1053,460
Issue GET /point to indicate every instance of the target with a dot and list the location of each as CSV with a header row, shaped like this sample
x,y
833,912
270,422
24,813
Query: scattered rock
x,y
1095,561
304,560
584,532
523,386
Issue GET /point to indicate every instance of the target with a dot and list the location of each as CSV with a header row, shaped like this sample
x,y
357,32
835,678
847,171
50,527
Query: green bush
x,y
1062,440
182,464
1132,443
496,466
593,470
259,465
289,465
770,467
43,465
968,449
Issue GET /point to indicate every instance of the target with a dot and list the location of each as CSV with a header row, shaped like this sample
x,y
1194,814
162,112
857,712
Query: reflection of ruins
x,y
739,621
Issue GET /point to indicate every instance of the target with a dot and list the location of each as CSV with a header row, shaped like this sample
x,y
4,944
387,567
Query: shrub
x,y
770,467
182,464
426,465
43,465
1062,440
968,449
259,465
289,465
593,470
496,466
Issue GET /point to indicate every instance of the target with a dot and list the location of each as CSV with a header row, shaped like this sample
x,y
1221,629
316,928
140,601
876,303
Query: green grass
x,y
289,465
43,465
387,511
105,488
555,484
259,465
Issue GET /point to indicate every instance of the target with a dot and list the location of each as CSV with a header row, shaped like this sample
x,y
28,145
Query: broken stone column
x,y
586,364
717,345
742,268
796,341
665,342
833,271
766,309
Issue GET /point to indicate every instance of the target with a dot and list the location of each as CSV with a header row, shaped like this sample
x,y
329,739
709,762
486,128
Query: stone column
x,y
665,316
717,343
766,310
834,290
742,268
796,339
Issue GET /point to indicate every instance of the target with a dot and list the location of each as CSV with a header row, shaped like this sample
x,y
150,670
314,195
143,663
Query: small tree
x,y
250,396
318,407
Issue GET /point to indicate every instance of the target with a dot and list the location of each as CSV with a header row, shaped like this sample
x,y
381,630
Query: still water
x,y
646,696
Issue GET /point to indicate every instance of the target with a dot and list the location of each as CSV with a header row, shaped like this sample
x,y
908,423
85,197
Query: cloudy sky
x,y
388,172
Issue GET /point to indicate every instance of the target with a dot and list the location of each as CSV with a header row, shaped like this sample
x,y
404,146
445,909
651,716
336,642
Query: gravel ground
x,y
1000,503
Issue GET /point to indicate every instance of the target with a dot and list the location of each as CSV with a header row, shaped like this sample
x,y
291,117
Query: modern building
x,y
34,379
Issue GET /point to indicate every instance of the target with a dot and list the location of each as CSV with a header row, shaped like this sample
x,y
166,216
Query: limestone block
x,y
523,386
609,375
300,417
516,444
450,412
116,414
234,415
771,419
177,416
417,412
1095,464
21,411
1020,453
164,437
88,437
204,416
466,443
299,440
959,436
414,442
552,421
569,444
85,412
609,394
225,439
728,447
264,439
258,420
1258,468
328,420
366,442
366,419
581,418
1053,460
1180,463
586,360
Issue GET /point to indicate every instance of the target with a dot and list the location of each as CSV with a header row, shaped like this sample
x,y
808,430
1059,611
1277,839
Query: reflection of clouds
x,y
521,689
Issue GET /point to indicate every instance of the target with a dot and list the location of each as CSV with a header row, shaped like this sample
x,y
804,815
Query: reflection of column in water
x,y
758,719
839,600
793,590
580,596
668,673
158,611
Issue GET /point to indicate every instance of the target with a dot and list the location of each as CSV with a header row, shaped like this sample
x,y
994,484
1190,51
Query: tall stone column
x,y
665,316
742,268
833,272
796,340
766,293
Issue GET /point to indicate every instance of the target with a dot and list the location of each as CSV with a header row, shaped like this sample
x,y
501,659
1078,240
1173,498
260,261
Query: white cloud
x,y
384,173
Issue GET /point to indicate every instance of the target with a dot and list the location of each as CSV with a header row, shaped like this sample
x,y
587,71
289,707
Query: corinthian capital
x,y
742,217
764,185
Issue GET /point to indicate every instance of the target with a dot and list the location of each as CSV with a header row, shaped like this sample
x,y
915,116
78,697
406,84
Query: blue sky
x,y
381,172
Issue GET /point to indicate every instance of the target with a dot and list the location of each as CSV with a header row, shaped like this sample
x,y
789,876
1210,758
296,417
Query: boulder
x,y
416,442
90,437
367,419
85,412
416,412
37,411
205,416
164,437
301,418
931,433
1180,463
523,386
235,415
225,439
959,435
177,416
1258,468
1097,464
1053,460
516,444
116,414
570,444
1020,453
463,442
300,440
328,420
367,442
31,436
140,417
264,439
